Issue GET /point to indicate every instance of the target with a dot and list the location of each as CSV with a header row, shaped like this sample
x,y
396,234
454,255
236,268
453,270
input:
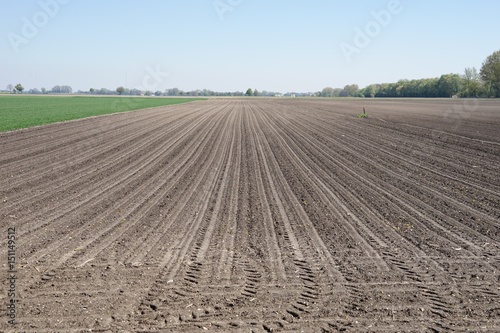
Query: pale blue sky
x,y
274,45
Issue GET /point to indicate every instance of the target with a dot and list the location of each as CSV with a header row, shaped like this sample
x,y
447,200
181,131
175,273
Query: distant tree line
x,y
448,85
348,91
485,83
18,88
174,92
472,83
136,92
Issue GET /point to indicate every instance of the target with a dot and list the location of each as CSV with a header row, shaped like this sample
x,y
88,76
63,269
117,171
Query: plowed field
x,y
255,215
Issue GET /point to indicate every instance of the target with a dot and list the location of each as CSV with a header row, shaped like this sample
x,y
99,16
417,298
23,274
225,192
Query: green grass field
x,y
27,111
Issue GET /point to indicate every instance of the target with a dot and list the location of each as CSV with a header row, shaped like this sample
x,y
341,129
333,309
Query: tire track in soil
x,y
82,180
467,243
196,277
228,231
125,181
277,271
352,293
307,268
251,268
142,246
192,273
352,288
309,173
150,201
380,164
252,215
488,254
441,295
425,208
297,131
50,274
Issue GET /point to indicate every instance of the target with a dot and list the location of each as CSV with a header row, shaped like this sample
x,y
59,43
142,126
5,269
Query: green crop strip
x,y
27,111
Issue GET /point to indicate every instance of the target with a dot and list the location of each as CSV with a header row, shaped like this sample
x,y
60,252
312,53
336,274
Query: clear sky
x,y
229,45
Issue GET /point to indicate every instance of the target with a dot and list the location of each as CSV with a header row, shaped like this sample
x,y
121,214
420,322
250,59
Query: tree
x,y
430,87
92,90
327,92
66,90
490,73
249,92
44,90
120,90
472,82
157,93
10,87
350,91
449,85
19,87
172,92
256,92
402,87
370,91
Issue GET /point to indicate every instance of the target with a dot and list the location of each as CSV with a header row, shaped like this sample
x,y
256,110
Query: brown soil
x,y
255,215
